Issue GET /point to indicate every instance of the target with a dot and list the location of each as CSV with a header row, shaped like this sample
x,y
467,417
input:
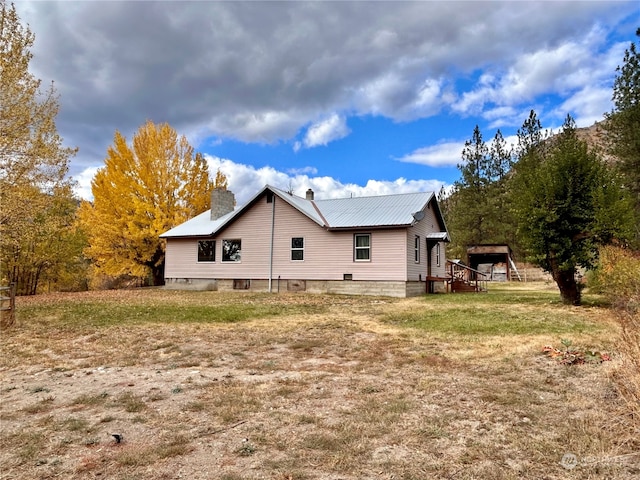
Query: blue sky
x,y
347,98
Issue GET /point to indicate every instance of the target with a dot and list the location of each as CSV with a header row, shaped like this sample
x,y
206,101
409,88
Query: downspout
x,y
273,223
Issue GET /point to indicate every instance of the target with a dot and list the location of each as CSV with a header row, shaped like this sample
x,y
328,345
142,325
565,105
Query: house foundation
x,y
397,289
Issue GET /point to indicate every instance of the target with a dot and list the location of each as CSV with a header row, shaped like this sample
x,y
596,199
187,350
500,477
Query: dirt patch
x,y
336,395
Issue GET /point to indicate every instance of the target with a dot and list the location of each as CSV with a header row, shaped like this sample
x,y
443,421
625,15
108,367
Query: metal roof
x,y
199,226
342,213
380,211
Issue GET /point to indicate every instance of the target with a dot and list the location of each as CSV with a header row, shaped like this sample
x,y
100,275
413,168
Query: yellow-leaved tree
x,y
142,191
37,207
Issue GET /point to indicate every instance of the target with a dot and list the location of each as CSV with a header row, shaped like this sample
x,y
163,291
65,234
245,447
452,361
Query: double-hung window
x,y
231,250
416,249
297,248
362,247
206,250
438,254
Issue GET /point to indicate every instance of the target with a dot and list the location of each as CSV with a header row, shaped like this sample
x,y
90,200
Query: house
x,y
383,245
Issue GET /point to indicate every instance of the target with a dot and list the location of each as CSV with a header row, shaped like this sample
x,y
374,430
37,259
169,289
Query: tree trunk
x,y
157,268
569,290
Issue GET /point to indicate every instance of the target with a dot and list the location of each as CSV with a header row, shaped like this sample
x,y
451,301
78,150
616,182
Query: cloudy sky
x,y
348,98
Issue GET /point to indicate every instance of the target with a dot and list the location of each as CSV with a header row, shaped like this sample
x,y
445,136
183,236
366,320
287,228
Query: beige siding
x,y
327,255
415,271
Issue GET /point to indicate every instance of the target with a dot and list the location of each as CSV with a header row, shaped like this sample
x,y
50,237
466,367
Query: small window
x,y
362,247
438,254
416,248
231,250
206,250
297,248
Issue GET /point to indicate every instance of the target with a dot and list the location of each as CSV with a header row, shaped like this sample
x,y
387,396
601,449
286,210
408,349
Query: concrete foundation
x,y
343,287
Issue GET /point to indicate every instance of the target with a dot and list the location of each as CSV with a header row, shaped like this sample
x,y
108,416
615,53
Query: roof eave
x,y
369,227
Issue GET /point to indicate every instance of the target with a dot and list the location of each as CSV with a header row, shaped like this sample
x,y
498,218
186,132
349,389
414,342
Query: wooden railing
x,y
7,305
466,279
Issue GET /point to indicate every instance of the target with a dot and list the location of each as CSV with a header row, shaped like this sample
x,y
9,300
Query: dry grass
x,y
308,387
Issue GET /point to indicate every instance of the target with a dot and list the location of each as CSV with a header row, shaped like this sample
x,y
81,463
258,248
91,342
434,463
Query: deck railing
x,y
465,278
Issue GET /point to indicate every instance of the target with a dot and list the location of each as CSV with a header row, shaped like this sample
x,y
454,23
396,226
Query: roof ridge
x,y
377,196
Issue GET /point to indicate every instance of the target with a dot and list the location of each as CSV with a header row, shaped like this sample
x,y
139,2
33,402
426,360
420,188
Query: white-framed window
x,y
416,249
297,249
206,250
231,250
362,247
438,254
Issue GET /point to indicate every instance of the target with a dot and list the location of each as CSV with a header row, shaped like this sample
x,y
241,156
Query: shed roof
x,y
488,249
384,211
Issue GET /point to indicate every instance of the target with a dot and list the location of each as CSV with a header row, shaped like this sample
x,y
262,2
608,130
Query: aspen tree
x,y
33,162
143,190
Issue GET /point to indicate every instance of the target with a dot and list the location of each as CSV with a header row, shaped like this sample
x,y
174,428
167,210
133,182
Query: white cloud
x,y
447,154
326,131
303,170
444,154
83,183
245,181
586,106
261,73
578,70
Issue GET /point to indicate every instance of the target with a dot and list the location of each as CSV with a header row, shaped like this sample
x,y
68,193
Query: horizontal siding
x,y
327,255
415,271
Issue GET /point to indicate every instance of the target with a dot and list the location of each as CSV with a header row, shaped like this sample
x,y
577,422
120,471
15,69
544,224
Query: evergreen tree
x,y
567,202
477,211
623,126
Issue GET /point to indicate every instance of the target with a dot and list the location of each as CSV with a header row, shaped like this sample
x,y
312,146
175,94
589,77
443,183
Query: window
x,y
297,248
231,250
416,248
362,247
437,254
206,250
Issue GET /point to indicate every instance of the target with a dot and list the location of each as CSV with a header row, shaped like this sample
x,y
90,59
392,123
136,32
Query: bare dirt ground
x,y
338,394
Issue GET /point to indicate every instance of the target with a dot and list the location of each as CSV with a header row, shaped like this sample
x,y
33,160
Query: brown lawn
x,y
327,389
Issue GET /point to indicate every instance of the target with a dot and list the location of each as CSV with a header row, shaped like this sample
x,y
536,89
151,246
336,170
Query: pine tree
x,y
567,202
623,126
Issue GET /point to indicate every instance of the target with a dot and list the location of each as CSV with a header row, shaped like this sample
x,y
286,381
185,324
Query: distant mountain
x,y
595,136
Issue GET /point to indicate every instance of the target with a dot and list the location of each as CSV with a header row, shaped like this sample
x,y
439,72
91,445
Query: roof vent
x,y
309,195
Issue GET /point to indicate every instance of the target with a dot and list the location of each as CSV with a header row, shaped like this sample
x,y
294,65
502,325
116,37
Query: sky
x,y
347,98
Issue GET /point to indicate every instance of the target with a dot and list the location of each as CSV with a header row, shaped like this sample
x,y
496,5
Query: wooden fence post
x,y
7,312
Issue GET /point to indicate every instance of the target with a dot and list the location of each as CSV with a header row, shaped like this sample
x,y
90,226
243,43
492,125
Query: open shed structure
x,y
495,261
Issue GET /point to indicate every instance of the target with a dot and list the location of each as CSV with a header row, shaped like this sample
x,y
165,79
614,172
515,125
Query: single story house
x,y
381,245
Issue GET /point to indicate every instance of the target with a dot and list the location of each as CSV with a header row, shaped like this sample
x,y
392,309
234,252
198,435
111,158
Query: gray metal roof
x,y
342,213
199,226
380,211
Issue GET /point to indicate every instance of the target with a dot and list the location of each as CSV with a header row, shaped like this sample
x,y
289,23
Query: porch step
x,y
462,286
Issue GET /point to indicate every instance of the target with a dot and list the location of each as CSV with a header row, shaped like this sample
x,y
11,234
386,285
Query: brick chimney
x,y
309,195
223,201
